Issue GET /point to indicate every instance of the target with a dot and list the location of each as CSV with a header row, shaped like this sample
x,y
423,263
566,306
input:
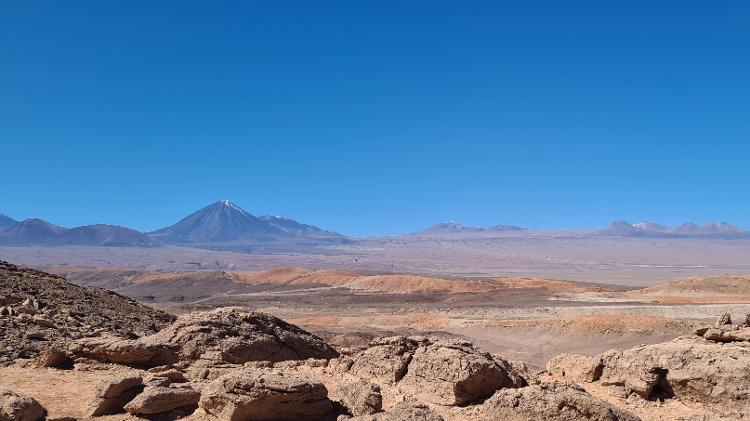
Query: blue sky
x,y
376,117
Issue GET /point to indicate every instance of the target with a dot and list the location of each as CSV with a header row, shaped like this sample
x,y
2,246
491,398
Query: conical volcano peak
x,y
229,204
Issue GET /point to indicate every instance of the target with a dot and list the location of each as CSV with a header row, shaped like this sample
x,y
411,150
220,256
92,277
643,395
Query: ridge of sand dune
x,y
338,278
716,285
551,285
375,283
171,276
402,284
595,323
699,289
334,278
296,276
389,283
281,275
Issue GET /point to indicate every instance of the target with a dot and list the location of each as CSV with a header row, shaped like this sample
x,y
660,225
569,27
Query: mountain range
x,y
221,226
39,232
225,226
688,229
452,227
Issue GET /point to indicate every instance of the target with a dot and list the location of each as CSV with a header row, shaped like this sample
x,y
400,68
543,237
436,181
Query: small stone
x,y
724,319
52,357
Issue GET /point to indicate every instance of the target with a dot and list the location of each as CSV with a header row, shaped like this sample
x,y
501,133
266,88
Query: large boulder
x,y
457,373
239,336
361,397
17,407
549,401
579,368
110,396
726,333
225,335
405,411
52,357
386,360
440,372
264,395
163,377
157,400
138,353
688,368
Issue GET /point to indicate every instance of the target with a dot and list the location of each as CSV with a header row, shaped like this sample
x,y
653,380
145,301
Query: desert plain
x,y
526,300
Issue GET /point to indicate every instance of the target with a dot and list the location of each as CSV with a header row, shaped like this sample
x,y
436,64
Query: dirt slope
x,y
48,309
695,289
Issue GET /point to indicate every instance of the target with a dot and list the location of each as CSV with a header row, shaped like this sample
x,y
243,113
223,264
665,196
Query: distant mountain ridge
x,y
37,232
6,222
223,225
651,229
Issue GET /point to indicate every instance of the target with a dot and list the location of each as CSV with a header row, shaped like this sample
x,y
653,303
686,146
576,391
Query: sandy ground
x,y
64,393
525,319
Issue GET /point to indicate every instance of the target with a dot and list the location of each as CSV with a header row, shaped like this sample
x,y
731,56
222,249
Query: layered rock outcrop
x,y
688,368
550,401
457,373
361,397
405,411
112,395
230,335
439,372
157,400
578,368
262,395
710,368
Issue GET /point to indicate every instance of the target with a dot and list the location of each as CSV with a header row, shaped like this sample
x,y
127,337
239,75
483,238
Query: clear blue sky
x,y
376,117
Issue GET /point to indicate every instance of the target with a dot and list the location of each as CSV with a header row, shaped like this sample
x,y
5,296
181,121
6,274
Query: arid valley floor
x,y
525,301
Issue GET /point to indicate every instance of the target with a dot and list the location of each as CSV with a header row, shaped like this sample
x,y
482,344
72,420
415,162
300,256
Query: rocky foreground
x,y
233,364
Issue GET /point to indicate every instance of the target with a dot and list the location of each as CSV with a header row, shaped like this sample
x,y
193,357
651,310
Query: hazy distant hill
x,y
448,228
721,228
651,226
36,232
224,225
503,227
6,222
621,229
298,229
107,236
32,232
688,229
